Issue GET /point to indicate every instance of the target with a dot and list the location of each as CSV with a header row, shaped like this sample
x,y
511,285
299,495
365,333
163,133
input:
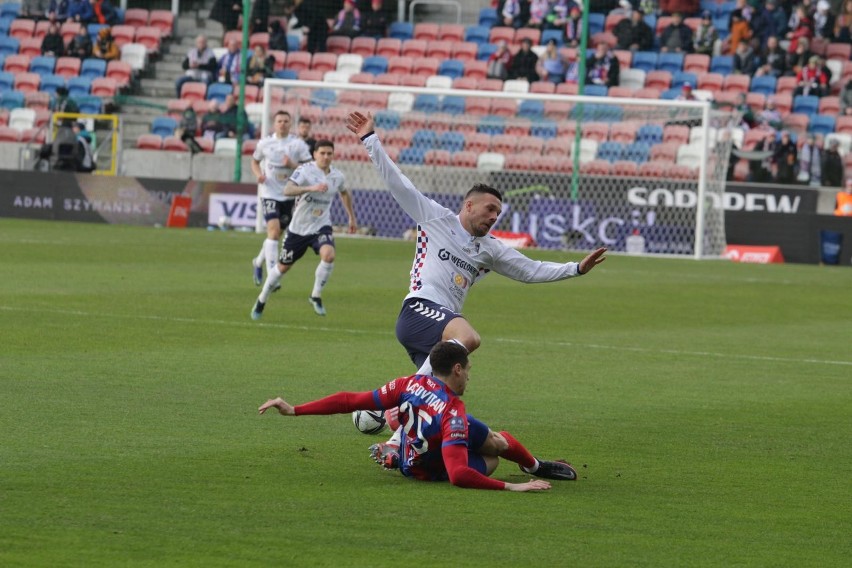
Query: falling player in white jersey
x,y
454,251
314,184
274,159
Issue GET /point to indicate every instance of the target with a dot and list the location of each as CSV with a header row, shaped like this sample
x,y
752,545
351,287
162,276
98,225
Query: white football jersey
x,y
448,260
271,152
313,210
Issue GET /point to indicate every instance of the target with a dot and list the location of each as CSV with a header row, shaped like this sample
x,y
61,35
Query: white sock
x,y
261,256
426,367
532,469
321,276
270,251
396,438
272,278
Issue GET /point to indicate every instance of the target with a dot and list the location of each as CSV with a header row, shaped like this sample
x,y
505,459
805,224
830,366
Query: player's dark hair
x,y
284,112
323,144
304,120
482,188
444,357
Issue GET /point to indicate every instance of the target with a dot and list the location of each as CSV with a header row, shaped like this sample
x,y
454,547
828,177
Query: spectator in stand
x,y
348,20
823,21
259,66
745,59
745,10
228,70
843,24
523,64
512,13
572,67
811,80
58,11
602,67
557,14
846,99
104,13
740,31
63,103
769,21
826,70
801,27
686,93
551,65
798,59
773,59
844,200
538,13
625,8
227,13
53,44
277,37
199,64
228,117
211,122
810,161
706,35
375,20
785,158
747,120
80,45
105,48
677,37
188,128
574,27
80,11
634,33
313,20
672,7
498,62
35,9
649,6
259,16
770,116
832,166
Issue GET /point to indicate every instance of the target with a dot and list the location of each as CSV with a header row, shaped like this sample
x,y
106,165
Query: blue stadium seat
x,y
681,78
544,128
164,126
651,20
293,43
491,124
476,34
722,64
722,25
119,14
93,68
805,105
11,100
8,9
822,124
324,98
401,30
644,60
725,9
451,68
558,35
425,139
94,29
43,64
286,74
595,90
387,119
488,17
412,156
89,104
765,84
49,83
671,62
218,91
2,60
531,109
607,113
8,45
7,81
426,103
451,141
452,104
79,86
670,94
596,23
610,151
483,53
636,152
650,134
376,64
711,6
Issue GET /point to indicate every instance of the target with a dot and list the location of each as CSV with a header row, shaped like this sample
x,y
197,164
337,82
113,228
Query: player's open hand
x,y
360,124
591,261
531,485
282,405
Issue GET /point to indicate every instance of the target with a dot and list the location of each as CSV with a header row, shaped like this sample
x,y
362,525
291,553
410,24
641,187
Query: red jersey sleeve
x,y
342,402
462,475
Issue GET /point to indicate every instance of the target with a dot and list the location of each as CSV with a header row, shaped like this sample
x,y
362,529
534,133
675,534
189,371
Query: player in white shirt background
x,y
273,161
315,185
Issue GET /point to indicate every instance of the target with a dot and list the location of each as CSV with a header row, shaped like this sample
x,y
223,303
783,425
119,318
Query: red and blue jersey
x,y
432,416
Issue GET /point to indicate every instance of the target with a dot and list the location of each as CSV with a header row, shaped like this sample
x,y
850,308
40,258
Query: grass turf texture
x,y
705,405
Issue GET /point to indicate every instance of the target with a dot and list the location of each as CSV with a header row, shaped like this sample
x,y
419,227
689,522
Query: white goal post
x,y
577,172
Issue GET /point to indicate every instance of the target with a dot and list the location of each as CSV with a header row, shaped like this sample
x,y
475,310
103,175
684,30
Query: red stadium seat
x,y
657,79
625,168
362,78
8,134
477,70
843,125
120,71
596,167
324,62
425,66
500,33
426,31
30,46
363,46
262,38
543,87
556,147
193,91
414,48
647,93
597,131
625,58
783,102
437,158
503,143
376,101
737,83
682,172
604,37
612,21
464,51
21,63
841,51
785,85
829,105
439,49
477,142
532,34
311,75
477,105
518,162
176,107
123,34
388,78
567,89
400,64
350,99
136,17
337,44
676,133
27,82
504,107
696,63
653,169
797,123
150,37
489,85
530,145
104,87
665,152
464,159
149,142
298,61
624,132
464,83
163,20
41,29
623,92
40,102
388,47
21,28
451,32
757,101
69,30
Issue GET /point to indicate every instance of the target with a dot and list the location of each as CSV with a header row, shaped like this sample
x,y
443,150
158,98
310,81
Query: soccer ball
x,y
369,421
224,222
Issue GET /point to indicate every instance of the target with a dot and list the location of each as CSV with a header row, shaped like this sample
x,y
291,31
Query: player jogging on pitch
x,y
454,251
441,442
273,161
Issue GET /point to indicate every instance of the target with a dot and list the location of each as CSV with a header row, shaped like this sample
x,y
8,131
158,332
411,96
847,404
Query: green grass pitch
x,y
706,406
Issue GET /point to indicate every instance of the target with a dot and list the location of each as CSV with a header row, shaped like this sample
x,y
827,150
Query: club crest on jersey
x,y
470,250
460,281
457,424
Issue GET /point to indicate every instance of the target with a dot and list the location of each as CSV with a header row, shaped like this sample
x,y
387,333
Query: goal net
x,y
642,175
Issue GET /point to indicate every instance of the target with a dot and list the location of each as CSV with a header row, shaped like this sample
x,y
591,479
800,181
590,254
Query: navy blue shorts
x,y
477,433
420,326
295,246
281,210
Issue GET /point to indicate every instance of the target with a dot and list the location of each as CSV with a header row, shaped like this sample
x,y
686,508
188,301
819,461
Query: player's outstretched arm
x,y
360,124
531,485
592,260
282,405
